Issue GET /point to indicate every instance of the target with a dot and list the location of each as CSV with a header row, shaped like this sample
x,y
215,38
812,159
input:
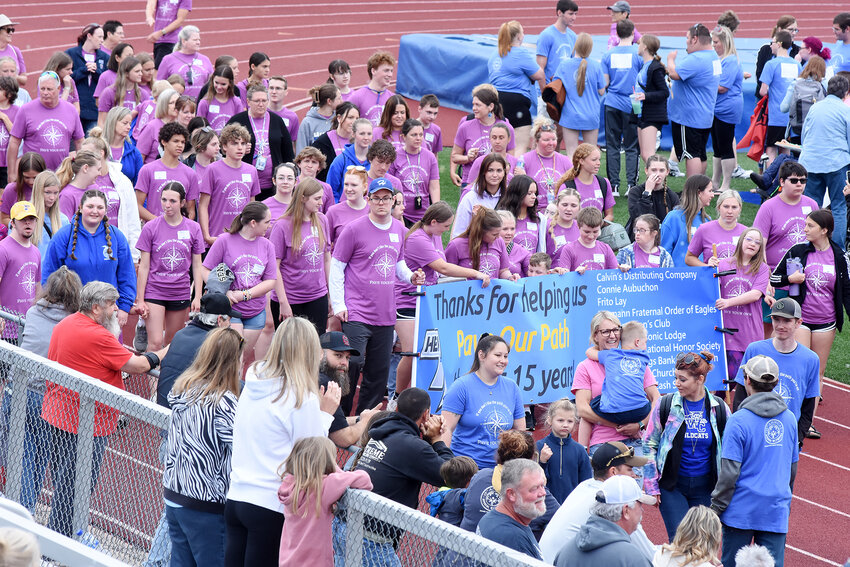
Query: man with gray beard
x,y
86,341
336,353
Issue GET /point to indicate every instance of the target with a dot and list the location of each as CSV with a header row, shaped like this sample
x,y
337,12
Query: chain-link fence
x,y
82,456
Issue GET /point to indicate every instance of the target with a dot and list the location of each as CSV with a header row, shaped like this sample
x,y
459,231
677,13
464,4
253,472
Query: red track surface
x,y
301,37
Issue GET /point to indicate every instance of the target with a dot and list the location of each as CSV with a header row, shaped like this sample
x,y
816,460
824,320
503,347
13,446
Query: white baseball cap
x,y
622,489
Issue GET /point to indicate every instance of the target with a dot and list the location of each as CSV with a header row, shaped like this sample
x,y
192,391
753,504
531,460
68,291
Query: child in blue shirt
x,y
447,502
623,399
565,463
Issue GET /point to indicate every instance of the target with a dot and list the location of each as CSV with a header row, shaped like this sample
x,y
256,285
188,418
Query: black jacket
x,y
398,460
324,145
841,291
280,143
184,346
658,203
655,105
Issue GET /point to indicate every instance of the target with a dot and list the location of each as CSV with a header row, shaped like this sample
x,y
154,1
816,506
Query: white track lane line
x,y
825,461
831,422
812,555
825,507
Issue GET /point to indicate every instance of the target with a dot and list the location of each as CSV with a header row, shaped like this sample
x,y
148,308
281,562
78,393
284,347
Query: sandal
x,y
813,433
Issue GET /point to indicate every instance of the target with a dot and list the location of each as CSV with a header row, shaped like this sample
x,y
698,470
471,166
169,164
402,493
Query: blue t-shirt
x,y
765,447
730,105
798,372
840,60
512,73
581,112
503,529
696,449
485,412
778,73
692,98
623,389
557,47
621,64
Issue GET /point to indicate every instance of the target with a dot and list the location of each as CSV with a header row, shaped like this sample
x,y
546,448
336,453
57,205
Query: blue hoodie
x,y
93,263
336,172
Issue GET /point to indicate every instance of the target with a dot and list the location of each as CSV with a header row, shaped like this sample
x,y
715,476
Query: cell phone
x,y
848,177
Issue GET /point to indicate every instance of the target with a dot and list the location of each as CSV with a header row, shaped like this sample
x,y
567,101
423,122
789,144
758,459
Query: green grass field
x,y
839,360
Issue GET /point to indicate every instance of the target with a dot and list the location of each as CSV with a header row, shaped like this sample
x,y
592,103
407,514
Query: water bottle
x,y
88,539
793,265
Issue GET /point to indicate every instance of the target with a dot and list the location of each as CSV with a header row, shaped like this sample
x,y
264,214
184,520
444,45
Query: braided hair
x,y
90,194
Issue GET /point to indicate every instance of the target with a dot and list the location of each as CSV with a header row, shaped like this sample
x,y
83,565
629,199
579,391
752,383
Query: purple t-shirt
x,y
710,233
493,257
171,249
591,195
48,131
371,255
107,99
783,225
106,80
473,134
154,176
415,171
527,234
559,237
147,141
370,103
10,197
340,215
394,138
819,305
195,70
243,85
218,113
252,262
166,12
12,113
20,270
69,200
290,120
476,168
147,112
303,271
229,188
746,318
339,143
545,172
327,196
419,251
16,55
433,138
647,260
575,254
113,200
262,149
519,257
276,208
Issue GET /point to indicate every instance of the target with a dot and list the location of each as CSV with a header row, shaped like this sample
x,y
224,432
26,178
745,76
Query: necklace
x,y
414,178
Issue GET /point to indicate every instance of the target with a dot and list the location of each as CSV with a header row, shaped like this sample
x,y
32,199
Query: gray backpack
x,y
806,92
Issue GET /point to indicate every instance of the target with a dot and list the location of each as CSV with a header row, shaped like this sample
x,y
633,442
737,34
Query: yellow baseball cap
x,y
22,210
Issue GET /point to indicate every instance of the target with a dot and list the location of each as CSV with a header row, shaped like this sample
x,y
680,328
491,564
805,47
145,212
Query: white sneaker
x,y
616,191
741,173
674,169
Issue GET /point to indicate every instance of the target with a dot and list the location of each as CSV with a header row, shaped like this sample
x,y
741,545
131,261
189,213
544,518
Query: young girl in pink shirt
x,y
312,485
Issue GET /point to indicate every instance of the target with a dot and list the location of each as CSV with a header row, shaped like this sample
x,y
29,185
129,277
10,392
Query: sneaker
x,y
674,169
140,341
615,191
392,403
626,194
741,173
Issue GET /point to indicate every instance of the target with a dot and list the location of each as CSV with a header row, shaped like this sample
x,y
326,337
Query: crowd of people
x,y
267,264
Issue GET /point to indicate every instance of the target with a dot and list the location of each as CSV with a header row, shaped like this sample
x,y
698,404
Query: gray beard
x,y
110,323
337,375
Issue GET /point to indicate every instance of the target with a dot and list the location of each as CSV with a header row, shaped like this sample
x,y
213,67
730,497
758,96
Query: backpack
x,y
667,402
612,233
806,92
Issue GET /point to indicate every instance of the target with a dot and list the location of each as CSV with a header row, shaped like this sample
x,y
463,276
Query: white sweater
x,y
263,435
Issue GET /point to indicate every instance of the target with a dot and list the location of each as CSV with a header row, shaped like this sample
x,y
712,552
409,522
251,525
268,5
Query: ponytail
x,y
253,211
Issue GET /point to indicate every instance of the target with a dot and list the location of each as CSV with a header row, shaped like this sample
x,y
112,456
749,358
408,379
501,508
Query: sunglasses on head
x,y
627,454
355,168
689,358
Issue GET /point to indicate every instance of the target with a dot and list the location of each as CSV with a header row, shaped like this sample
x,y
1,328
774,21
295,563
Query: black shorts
x,y
690,142
170,304
641,123
723,139
819,327
516,108
774,134
405,313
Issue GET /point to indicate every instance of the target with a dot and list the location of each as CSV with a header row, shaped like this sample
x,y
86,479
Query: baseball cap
x,y
620,6
22,210
786,308
614,454
622,489
761,368
217,304
381,183
338,341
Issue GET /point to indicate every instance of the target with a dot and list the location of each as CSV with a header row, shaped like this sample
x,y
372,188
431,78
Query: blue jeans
x,y
831,183
36,451
374,554
640,451
197,538
690,491
64,458
160,553
734,539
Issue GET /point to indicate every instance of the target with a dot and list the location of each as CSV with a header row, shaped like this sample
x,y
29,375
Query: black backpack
x,y
667,402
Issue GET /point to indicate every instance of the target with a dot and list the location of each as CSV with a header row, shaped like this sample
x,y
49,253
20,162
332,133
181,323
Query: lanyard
x,y
415,181
261,143
549,180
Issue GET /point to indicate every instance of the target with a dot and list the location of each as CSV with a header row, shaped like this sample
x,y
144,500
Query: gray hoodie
x,y
38,328
601,543
313,126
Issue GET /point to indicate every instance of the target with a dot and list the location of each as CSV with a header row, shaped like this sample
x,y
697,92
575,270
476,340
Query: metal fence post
x,y
15,435
354,537
85,450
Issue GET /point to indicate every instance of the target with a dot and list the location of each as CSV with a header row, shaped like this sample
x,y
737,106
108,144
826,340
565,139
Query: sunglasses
x,y
8,29
355,168
627,454
796,180
689,358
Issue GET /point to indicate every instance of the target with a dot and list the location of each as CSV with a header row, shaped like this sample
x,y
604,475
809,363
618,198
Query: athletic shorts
x,y
723,139
774,134
690,142
171,305
819,327
516,108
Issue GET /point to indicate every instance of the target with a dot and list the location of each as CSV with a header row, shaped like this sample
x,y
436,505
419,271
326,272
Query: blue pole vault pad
x,y
450,66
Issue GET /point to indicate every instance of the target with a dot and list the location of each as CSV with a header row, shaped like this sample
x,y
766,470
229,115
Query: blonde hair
x,y
724,36
507,33
293,358
758,258
71,166
597,320
159,87
309,461
583,48
18,548
697,538
216,369
295,212
632,330
42,180
582,151
163,100
563,194
564,404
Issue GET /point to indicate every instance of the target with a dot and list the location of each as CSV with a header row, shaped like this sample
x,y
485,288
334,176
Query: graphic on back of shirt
x,y
773,432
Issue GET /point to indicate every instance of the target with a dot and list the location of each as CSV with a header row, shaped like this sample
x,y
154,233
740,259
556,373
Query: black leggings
x,y
315,311
253,535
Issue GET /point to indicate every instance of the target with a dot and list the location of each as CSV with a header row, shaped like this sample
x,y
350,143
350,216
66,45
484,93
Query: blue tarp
x,y
450,66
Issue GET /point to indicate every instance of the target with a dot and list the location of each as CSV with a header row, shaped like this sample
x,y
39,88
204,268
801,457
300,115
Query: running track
x,y
301,37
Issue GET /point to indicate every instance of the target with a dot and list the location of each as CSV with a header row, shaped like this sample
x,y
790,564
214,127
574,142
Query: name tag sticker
x,y
621,60
717,68
159,175
532,226
215,108
806,209
246,177
654,259
89,57
258,269
149,109
693,230
286,122
735,240
183,234
600,258
429,137
828,269
560,240
393,237
788,70
598,193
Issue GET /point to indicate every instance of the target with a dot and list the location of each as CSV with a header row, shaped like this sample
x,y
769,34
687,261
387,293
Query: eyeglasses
x,y
609,332
797,180
689,358
381,199
752,240
8,29
355,168
627,454
642,230
793,30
